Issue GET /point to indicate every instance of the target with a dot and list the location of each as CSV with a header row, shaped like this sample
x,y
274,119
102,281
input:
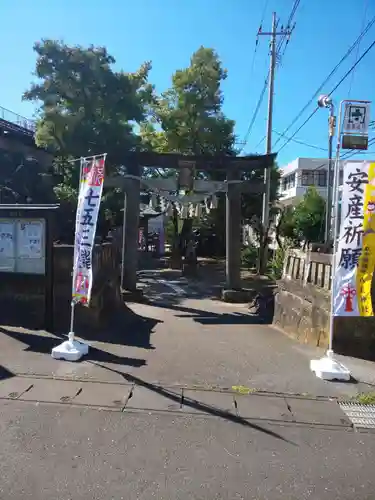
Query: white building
x,y
301,173
295,179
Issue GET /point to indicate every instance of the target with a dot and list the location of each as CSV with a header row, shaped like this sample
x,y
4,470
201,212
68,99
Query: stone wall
x,y
105,292
302,310
23,300
42,156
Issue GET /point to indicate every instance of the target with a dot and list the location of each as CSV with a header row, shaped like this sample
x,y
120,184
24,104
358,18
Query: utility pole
x,y
267,172
331,133
325,101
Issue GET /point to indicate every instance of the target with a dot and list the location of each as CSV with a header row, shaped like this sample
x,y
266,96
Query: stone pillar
x,y
130,256
233,233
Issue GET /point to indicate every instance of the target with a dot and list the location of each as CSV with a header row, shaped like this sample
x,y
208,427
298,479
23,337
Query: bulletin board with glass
x,y
22,246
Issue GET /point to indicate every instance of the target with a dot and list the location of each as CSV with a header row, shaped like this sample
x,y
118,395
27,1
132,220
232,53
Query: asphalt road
x,y
59,453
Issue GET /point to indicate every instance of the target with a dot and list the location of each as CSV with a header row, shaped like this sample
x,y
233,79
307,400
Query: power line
x,y
358,46
300,142
332,91
257,40
259,103
259,143
264,13
291,16
347,54
256,111
354,152
284,35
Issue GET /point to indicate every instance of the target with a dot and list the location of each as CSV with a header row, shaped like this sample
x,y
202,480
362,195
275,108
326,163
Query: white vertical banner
x,y
348,258
89,197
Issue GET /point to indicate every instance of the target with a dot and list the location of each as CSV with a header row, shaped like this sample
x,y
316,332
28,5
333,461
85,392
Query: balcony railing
x,y
20,121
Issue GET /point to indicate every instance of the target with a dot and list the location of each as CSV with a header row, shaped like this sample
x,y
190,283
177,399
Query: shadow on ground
x,y
43,343
212,318
169,289
192,403
4,373
120,326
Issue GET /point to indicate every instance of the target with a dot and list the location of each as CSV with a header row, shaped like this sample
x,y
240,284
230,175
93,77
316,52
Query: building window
x,y
307,178
322,178
288,182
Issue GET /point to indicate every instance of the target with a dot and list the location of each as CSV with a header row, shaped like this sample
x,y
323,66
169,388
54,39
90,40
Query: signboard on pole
x,y
90,193
355,125
355,258
356,118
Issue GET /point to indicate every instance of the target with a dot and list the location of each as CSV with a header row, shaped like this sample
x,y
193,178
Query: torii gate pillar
x,y
233,233
131,215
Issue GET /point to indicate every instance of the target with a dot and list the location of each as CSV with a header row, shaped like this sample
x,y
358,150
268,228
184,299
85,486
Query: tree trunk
x,y
277,231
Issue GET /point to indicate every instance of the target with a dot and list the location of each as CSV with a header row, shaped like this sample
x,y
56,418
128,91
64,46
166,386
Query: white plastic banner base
x,y
327,368
70,350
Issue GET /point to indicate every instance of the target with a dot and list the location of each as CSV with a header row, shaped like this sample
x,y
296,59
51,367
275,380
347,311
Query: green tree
x,y
190,112
188,119
309,217
86,108
285,226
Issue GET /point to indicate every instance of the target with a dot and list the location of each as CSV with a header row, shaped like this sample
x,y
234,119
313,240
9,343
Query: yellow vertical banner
x,y
366,263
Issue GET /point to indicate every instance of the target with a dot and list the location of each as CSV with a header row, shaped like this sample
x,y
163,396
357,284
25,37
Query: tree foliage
x,y
305,222
309,216
190,112
188,119
86,108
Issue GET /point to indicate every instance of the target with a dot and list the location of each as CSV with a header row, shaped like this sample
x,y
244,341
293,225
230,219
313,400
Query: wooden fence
x,y
309,267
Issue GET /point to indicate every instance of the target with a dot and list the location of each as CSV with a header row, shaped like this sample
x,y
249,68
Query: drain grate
x,y
360,415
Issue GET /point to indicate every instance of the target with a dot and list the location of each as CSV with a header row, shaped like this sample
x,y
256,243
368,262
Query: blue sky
x,y
168,31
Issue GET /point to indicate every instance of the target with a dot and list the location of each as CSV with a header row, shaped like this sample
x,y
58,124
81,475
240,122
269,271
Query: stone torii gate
x,y
186,165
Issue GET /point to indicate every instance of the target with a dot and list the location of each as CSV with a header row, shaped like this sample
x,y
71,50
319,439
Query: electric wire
x,y
332,91
298,141
353,152
288,26
346,55
358,46
264,88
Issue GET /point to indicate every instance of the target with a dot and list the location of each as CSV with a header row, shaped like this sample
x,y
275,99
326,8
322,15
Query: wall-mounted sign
x,y
29,239
7,249
7,246
22,246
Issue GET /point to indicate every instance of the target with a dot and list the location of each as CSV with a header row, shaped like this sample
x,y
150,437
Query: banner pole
x,y
123,242
327,367
71,329
335,235
91,180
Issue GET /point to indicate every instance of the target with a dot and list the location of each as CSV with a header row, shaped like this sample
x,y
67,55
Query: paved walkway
x,y
182,337
151,412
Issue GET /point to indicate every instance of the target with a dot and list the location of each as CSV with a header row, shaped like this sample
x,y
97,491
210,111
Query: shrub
x,y
249,256
277,261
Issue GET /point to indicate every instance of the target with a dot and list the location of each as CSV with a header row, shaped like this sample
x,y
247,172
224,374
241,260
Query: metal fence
x,y
20,121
